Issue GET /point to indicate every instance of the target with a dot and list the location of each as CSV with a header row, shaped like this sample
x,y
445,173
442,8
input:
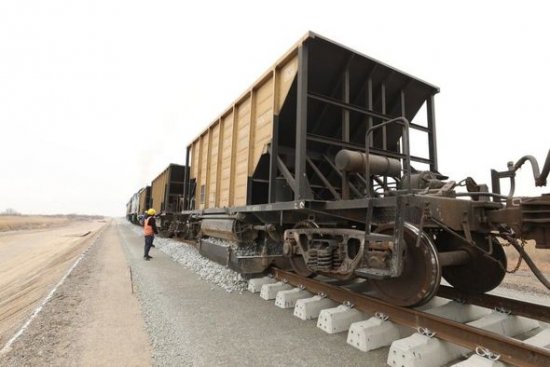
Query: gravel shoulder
x,y
198,315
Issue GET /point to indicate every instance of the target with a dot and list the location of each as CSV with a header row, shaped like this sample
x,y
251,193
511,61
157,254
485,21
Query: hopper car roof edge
x,y
315,35
285,57
166,169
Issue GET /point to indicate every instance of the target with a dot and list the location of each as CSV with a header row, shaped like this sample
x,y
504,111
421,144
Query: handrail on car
x,y
404,123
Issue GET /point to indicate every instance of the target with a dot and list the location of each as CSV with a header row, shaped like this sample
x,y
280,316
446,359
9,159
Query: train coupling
x,y
528,217
535,219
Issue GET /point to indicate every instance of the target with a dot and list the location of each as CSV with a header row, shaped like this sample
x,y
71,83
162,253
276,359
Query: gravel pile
x,y
189,257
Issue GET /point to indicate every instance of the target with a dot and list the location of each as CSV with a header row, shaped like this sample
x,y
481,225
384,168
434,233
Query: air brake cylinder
x,y
353,161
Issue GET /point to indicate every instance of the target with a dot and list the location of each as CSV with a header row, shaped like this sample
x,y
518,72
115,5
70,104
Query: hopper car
x,y
328,165
166,197
138,204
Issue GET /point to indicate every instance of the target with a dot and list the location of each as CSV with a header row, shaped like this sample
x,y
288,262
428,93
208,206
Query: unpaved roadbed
x,y
32,262
92,320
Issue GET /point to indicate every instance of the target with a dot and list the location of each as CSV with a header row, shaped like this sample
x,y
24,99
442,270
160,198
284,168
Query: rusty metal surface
x,y
511,351
518,308
419,279
214,251
486,266
353,161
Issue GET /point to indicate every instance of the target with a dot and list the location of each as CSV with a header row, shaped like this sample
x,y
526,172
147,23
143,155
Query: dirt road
x,y
32,262
93,319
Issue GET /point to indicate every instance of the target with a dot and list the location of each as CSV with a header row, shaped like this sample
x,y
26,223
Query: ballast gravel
x,y
190,258
192,322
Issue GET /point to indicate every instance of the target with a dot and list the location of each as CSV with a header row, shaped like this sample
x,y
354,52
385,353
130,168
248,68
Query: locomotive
x,y
311,169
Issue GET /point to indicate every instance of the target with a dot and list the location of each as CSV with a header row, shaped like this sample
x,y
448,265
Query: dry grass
x,y
541,257
19,222
524,280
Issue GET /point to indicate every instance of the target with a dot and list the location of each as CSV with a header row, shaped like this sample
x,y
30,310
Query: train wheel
x,y
484,271
299,266
421,275
297,262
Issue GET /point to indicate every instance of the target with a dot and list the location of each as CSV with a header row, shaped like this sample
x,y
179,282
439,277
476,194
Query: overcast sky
x,y
97,97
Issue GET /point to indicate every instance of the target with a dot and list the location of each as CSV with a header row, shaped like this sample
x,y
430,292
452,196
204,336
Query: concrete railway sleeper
x,y
446,329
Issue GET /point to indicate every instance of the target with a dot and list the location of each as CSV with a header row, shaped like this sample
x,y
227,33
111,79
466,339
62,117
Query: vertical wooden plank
x,y
233,157
208,164
252,128
276,87
226,159
213,164
219,166
274,146
242,149
199,175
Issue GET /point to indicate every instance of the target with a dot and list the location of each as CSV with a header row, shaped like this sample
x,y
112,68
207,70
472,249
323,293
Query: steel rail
x,y
510,350
517,308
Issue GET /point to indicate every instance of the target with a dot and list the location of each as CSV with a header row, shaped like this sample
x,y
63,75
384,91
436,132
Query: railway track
x,y
487,329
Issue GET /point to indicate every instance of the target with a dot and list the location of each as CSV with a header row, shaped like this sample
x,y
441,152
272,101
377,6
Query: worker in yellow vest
x,y
149,231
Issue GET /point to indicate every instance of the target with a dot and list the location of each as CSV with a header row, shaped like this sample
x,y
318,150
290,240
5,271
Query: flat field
x,y
19,222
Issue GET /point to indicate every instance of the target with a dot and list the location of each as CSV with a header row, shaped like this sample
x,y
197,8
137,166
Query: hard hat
x,y
151,211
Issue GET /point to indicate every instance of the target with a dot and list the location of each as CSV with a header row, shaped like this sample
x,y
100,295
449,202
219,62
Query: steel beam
x,y
432,138
345,112
516,307
301,187
337,85
348,106
286,173
335,142
351,186
324,179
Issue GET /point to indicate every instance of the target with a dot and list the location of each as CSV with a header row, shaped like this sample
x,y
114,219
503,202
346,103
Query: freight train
x,y
311,169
